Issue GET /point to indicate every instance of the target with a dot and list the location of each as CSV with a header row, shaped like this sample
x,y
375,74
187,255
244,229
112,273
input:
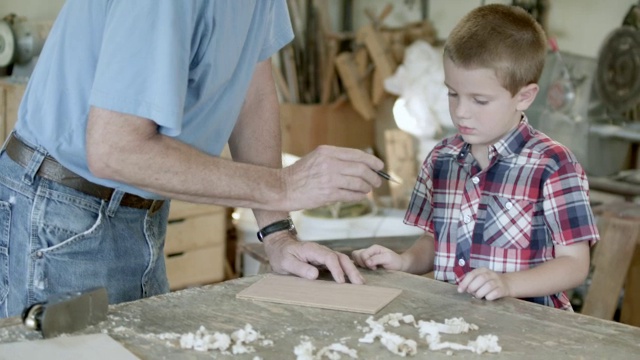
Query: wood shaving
x,y
430,331
393,342
398,344
241,340
395,318
450,326
305,351
482,344
238,341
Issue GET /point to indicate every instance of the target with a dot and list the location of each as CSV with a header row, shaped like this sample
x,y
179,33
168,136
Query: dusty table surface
x,y
525,330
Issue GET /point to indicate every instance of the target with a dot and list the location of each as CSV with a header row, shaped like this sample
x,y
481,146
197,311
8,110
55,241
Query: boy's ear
x,y
526,95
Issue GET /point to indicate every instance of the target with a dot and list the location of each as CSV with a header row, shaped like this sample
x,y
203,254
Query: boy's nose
x,y
461,110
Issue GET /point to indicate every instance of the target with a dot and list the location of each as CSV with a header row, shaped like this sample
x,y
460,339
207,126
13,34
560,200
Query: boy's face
x,y
481,109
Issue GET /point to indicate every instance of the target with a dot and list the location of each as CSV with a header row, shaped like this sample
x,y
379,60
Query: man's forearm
x,y
256,138
170,168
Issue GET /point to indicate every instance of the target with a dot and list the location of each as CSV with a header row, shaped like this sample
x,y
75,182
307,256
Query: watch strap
x,y
281,225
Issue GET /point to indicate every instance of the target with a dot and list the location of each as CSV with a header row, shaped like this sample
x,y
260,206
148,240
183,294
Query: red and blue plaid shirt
x,y
508,217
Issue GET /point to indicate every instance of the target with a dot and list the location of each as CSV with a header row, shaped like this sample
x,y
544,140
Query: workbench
x,y
630,309
525,330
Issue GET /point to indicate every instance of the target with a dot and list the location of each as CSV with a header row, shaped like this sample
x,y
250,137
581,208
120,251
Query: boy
x,y
505,208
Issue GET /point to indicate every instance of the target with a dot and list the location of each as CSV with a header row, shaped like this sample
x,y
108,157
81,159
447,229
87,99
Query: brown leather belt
x,y
51,169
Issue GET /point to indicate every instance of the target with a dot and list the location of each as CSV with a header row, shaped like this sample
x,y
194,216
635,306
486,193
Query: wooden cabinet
x,y
195,248
10,97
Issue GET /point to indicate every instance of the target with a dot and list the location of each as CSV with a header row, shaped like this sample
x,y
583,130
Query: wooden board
x,y
611,259
10,97
630,313
95,346
401,164
358,94
320,293
381,56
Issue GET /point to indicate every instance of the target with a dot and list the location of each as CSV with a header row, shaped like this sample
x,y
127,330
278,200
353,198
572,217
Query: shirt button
x,y
39,254
508,205
461,262
467,219
475,180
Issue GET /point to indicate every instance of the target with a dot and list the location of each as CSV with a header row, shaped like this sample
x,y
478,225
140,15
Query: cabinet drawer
x,y
196,267
182,210
195,232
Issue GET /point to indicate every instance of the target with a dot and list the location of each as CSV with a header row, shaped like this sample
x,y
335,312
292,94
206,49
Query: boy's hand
x,y
377,255
484,283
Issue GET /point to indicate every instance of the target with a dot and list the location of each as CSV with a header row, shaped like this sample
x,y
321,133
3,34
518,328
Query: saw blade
x,y
618,72
7,44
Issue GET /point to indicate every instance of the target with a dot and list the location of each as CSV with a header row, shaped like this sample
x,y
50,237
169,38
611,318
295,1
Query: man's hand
x,y
377,255
484,283
290,256
330,174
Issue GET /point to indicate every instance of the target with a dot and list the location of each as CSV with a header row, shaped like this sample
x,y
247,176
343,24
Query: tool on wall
x,y
20,44
561,109
617,86
562,93
618,73
600,123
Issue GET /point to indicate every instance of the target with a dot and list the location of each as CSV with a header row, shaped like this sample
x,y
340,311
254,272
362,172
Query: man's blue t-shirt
x,y
186,65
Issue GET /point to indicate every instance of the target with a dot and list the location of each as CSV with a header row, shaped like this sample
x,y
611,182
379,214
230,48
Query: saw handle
x,y
32,317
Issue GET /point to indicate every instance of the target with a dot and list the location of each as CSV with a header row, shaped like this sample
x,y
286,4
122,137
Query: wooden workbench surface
x,y
525,330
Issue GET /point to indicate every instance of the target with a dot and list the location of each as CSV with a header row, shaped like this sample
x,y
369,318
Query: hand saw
x,y
67,313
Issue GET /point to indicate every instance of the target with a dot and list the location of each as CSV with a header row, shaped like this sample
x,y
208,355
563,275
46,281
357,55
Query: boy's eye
x,y
450,94
481,102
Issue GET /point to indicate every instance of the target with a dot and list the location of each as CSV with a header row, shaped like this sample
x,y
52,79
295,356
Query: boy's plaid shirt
x,y
506,218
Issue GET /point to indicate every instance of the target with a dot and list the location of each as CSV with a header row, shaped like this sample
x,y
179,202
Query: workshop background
x,y
347,80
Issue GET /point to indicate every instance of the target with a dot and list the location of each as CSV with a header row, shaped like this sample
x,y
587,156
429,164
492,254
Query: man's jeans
x,y
54,239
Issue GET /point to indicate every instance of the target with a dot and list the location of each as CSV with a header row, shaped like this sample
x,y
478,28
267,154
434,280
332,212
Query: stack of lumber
x,y
322,66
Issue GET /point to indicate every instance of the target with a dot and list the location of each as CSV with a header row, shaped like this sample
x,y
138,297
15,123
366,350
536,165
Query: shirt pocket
x,y
508,223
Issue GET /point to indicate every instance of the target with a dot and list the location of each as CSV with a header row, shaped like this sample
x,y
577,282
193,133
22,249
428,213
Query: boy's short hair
x,y
503,38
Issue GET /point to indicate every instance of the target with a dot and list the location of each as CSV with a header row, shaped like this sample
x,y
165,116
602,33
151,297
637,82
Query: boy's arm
x,y
418,259
567,270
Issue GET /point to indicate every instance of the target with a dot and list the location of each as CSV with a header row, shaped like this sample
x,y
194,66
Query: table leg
x,y
630,313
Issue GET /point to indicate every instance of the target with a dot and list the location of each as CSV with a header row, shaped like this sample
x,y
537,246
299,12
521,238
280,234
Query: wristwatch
x,y
281,225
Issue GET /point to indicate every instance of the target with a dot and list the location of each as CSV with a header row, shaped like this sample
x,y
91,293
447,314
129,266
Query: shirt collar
x,y
510,144
513,142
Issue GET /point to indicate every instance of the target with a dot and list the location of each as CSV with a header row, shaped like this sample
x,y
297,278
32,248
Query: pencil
x,y
386,176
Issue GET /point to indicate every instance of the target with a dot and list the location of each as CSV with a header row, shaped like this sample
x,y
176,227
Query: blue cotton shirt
x,y
184,64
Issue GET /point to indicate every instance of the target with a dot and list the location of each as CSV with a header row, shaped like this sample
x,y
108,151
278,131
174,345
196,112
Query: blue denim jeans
x,y
54,239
